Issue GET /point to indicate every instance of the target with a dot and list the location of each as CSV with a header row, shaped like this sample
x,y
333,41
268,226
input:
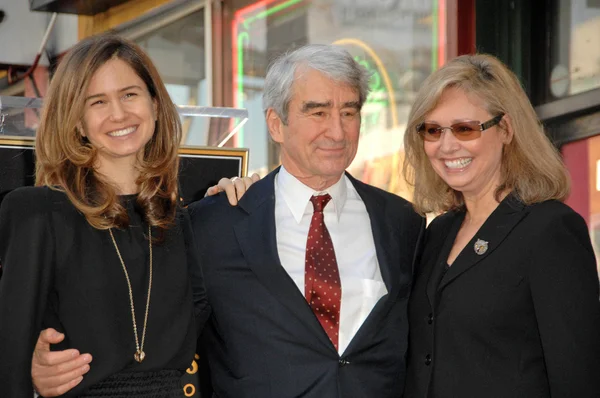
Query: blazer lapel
x,y
491,234
448,235
256,235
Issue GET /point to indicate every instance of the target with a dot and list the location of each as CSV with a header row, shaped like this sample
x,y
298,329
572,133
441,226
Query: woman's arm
x,y
27,255
564,288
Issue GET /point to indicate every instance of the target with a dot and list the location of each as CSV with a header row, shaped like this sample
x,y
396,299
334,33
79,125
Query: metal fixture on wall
x,y
12,75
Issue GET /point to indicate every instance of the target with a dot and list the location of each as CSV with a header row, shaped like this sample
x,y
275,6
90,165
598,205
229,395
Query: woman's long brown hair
x,y
65,159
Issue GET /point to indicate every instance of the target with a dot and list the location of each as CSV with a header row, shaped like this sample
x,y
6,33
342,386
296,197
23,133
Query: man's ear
x,y
507,132
275,125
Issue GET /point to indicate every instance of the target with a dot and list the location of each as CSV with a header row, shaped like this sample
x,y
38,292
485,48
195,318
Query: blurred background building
x,y
215,52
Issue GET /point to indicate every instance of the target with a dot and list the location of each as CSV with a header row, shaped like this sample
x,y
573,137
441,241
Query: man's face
x,y
321,136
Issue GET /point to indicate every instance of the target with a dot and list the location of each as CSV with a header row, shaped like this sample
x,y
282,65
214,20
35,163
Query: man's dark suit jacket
x,y
521,320
262,339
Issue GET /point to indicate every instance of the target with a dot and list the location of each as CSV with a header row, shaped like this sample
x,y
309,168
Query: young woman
x,y
101,250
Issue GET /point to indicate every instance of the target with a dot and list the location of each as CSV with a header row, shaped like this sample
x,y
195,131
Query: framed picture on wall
x,y
17,164
202,167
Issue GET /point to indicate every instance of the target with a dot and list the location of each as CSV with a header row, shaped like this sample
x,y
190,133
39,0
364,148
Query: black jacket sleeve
x,y
27,257
201,305
564,289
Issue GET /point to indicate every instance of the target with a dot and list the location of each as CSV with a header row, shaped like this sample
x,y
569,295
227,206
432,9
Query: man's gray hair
x,y
332,61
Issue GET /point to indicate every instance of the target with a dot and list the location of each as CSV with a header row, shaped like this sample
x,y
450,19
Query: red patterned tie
x,y
322,287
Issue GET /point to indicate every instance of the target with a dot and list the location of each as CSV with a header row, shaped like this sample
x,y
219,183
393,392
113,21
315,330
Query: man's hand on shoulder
x,y
56,372
234,187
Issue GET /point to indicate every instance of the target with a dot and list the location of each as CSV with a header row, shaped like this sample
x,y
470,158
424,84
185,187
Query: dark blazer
x,y
262,339
520,320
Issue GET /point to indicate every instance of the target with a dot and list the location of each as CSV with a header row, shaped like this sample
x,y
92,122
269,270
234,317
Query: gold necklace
x,y
139,353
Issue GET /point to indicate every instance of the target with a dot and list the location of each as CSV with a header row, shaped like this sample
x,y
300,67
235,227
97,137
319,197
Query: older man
x,y
309,276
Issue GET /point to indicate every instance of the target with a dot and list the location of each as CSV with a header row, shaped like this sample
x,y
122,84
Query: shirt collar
x,y
297,195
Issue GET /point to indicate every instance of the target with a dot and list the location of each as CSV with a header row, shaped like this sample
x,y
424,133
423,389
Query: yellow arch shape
x,y
386,78
394,181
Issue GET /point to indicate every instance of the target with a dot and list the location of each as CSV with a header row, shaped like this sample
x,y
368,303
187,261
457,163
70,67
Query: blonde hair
x,y
531,166
65,160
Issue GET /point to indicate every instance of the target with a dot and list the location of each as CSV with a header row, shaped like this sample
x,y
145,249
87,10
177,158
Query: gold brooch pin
x,y
481,246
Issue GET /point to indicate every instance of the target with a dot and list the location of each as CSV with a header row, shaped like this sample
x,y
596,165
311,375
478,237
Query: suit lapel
x,y
256,235
495,229
446,236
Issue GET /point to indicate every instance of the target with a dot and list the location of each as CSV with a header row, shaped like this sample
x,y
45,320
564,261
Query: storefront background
x,y
216,53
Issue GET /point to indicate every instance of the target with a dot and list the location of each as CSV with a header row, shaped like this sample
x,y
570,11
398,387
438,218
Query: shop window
x,y
177,50
575,47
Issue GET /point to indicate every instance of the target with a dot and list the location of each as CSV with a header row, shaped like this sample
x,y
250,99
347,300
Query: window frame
x,y
169,13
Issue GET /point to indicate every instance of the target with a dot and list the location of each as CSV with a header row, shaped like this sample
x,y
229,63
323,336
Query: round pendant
x,y
139,356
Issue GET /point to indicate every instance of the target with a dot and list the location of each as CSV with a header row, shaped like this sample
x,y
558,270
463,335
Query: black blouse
x,y
60,272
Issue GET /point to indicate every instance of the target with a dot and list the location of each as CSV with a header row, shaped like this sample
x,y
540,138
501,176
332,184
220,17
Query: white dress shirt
x,y
349,225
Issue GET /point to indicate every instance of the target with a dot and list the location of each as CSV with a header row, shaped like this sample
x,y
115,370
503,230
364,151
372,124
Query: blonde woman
x,y
100,250
505,300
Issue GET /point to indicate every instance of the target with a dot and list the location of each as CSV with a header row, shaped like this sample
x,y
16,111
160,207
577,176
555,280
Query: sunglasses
x,y
464,131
